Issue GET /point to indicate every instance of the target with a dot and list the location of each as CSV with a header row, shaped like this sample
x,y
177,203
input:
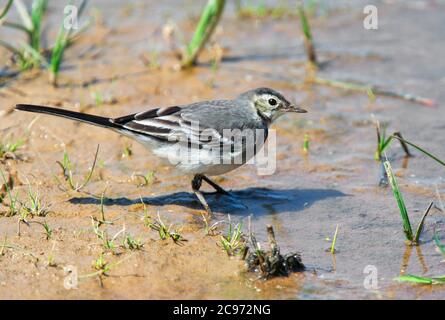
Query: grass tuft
x,y
234,242
412,238
14,205
9,148
31,54
67,171
164,231
132,243
108,242
35,206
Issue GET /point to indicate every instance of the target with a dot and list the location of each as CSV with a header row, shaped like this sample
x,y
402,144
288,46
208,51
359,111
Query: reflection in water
x,y
405,162
276,221
407,256
421,259
405,259
334,262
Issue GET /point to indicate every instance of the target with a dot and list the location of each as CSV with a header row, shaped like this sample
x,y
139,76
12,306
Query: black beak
x,y
292,108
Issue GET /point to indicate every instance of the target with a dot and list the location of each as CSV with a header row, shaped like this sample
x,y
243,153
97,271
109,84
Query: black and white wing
x,y
172,124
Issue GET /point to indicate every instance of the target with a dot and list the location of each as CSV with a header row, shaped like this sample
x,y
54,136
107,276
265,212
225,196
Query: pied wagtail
x,y
202,138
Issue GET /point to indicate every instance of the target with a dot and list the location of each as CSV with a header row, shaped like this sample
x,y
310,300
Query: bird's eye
x,y
272,101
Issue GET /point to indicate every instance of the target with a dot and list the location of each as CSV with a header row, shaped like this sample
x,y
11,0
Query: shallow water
x,y
336,183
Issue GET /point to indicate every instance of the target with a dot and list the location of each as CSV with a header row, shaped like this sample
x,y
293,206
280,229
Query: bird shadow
x,y
260,201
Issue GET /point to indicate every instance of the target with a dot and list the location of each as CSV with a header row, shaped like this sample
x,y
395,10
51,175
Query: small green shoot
x,y
98,98
51,256
127,152
103,267
147,179
8,149
334,241
48,230
413,239
35,207
102,219
14,203
62,42
210,230
306,144
383,141
67,172
234,242
107,242
44,224
57,55
421,223
206,25
100,263
132,243
165,232
308,40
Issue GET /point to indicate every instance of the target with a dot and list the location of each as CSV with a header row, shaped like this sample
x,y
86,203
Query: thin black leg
x,y
218,188
196,184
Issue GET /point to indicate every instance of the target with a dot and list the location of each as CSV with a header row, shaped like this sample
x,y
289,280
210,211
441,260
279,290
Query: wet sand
x,y
336,183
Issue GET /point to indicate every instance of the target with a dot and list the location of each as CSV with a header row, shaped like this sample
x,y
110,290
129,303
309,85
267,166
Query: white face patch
x,y
269,105
272,101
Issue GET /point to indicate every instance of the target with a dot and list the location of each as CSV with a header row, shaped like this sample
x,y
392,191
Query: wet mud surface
x,y
304,200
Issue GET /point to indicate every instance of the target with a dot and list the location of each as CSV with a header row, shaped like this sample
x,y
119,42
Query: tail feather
x,y
87,118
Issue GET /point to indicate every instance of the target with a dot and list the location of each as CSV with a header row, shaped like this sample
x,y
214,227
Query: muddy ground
x,y
307,196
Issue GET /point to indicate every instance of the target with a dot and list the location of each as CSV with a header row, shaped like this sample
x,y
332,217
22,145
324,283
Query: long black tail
x,y
88,118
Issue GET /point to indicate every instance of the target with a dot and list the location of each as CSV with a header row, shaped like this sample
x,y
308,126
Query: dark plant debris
x,y
271,263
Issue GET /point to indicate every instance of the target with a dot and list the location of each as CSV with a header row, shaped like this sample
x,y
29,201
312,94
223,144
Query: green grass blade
x,y
334,240
422,221
420,149
90,173
308,40
62,42
37,12
33,55
57,54
306,28
206,25
400,202
415,279
24,15
6,9
421,280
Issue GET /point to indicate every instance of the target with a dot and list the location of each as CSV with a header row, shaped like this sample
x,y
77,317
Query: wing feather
x,y
170,125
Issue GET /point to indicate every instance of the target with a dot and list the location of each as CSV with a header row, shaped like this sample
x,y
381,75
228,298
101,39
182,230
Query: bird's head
x,y
270,103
